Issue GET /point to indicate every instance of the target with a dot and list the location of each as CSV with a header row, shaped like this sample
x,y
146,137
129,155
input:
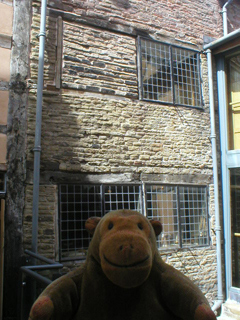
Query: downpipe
x,y
224,13
220,297
37,145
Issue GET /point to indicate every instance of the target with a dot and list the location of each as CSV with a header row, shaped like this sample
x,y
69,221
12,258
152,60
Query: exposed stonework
x,y
97,134
47,241
99,61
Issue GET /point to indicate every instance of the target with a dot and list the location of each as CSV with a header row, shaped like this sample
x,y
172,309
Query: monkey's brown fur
x,y
123,278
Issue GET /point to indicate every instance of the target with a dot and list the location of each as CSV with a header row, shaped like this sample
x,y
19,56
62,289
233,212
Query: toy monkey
x,y
123,278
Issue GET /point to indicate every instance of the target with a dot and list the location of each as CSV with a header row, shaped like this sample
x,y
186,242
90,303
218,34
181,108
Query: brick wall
x,y
94,124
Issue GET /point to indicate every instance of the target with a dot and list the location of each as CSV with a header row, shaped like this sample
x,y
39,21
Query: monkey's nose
x,y
127,246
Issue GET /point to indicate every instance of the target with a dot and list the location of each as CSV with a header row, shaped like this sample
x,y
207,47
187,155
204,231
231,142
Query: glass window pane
x,y
193,213
123,197
186,77
233,75
161,203
156,71
170,74
77,204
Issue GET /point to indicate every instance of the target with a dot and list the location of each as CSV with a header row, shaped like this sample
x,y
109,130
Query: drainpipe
x,y
220,296
37,145
224,13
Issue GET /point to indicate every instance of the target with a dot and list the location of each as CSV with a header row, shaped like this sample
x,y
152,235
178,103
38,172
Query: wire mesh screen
x,y
193,212
182,211
171,203
123,197
162,204
170,74
186,77
77,204
156,71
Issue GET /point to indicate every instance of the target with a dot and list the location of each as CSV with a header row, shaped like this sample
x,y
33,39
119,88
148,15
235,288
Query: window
x,y
79,202
169,74
181,209
233,81
183,213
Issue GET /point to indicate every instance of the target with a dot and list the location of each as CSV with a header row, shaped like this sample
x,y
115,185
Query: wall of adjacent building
x,y
6,19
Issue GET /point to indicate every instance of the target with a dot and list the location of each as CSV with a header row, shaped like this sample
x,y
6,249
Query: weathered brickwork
x,y
99,61
96,124
50,50
183,19
47,220
93,134
199,266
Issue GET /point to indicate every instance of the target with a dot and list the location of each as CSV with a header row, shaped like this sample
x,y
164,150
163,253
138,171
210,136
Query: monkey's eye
x,y
110,226
140,226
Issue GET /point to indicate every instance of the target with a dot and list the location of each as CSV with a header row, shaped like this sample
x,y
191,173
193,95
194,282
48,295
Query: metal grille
x,y
169,74
181,209
79,202
162,205
156,71
123,197
183,213
193,213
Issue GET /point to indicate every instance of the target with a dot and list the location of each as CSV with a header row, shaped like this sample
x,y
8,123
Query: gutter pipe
x,y
37,145
224,13
220,297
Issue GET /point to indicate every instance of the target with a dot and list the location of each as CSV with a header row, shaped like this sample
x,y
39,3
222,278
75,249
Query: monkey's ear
x,y
157,226
91,224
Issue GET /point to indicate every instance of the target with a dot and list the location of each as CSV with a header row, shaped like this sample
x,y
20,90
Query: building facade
x,y
125,124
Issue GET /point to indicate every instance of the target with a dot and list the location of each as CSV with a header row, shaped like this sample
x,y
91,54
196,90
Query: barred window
x,y
169,74
183,213
79,202
181,209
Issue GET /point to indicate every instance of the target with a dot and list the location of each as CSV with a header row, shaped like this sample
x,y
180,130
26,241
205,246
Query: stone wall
x,y
99,61
94,127
97,134
47,222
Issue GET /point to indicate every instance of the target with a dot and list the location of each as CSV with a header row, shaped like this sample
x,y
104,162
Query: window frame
x,y
143,196
140,73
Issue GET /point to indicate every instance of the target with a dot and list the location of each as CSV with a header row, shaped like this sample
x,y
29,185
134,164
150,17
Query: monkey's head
x,y
124,244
